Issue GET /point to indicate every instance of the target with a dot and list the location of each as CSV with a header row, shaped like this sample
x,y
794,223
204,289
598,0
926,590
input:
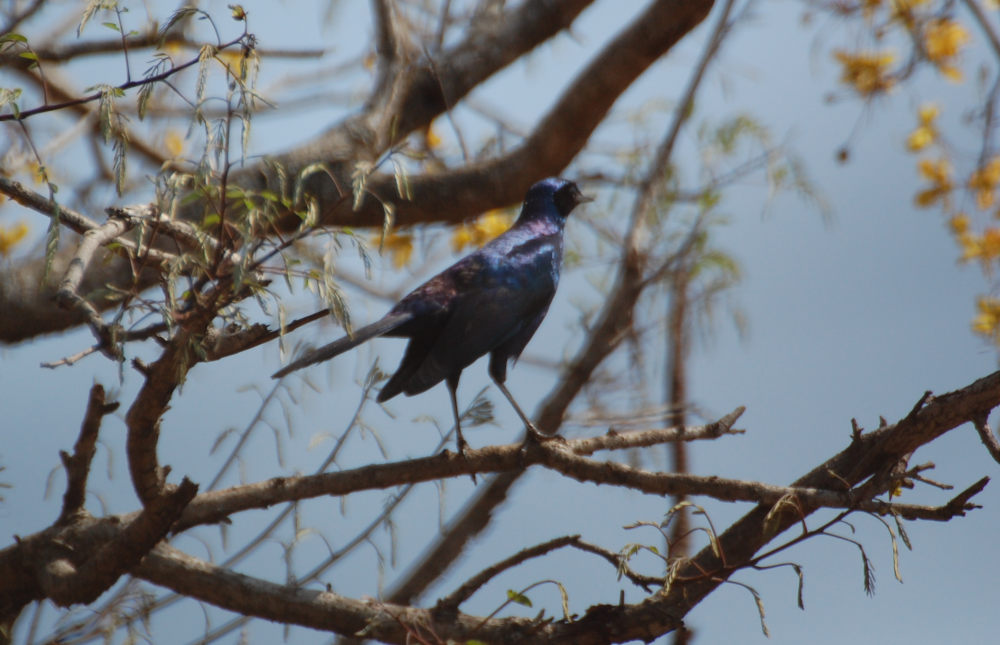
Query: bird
x,y
489,302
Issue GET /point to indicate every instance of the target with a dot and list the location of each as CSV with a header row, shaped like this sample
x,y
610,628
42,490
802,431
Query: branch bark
x,y
47,563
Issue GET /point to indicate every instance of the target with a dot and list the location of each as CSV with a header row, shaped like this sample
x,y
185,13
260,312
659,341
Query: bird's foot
x,y
463,448
536,435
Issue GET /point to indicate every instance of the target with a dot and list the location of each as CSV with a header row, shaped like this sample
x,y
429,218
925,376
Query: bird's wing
x,y
378,328
489,310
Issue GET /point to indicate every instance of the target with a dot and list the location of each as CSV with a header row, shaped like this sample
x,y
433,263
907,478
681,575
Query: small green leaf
x,y
112,26
12,37
29,55
518,597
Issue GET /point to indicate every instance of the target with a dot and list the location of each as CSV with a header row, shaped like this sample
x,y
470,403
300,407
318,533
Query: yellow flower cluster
x,y
985,247
867,73
483,229
926,132
943,42
9,237
938,173
987,321
400,247
983,183
173,142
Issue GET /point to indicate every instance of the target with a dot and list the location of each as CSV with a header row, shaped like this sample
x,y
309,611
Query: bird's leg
x,y
462,445
453,391
532,429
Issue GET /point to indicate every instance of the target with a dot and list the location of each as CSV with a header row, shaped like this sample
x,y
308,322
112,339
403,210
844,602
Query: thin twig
x,y
986,435
452,601
96,96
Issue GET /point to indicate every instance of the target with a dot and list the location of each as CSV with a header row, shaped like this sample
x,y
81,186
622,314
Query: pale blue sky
x,y
852,318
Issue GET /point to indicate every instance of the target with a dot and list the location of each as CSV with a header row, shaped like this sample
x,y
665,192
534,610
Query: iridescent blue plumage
x,y
490,301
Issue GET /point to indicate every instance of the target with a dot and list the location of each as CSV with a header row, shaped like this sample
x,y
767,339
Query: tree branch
x,y
866,456
214,506
66,581
451,602
78,464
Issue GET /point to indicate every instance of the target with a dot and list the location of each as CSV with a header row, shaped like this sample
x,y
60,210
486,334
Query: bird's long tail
x,y
339,346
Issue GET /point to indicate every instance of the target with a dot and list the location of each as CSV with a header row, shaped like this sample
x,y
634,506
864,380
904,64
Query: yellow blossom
x,y
869,7
927,113
984,182
400,247
938,173
173,48
903,9
987,321
233,61
943,41
432,138
461,237
920,138
990,244
174,143
959,223
867,73
482,230
985,247
9,237
971,248
926,132
491,224
39,173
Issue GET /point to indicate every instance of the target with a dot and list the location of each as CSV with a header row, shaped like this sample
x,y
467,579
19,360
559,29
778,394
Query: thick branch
x,y
324,610
866,456
456,195
66,581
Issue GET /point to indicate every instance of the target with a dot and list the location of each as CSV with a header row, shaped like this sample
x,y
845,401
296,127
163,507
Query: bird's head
x,y
561,193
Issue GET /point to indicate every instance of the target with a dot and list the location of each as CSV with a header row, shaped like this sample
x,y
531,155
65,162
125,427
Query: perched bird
x,y
490,301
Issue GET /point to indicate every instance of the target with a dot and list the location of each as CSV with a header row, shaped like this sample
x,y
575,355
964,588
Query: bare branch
x,y
41,204
96,96
220,344
67,294
986,435
614,440
640,580
451,602
78,464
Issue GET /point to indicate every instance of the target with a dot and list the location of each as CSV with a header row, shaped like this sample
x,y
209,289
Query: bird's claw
x,y
536,435
463,448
